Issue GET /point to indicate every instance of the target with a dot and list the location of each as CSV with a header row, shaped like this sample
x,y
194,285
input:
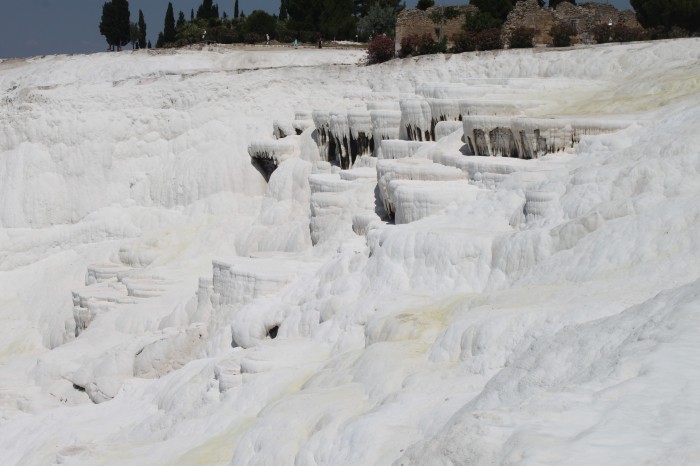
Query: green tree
x,y
115,24
666,14
337,20
378,20
235,9
480,21
134,35
425,4
142,30
169,25
304,14
180,20
107,24
498,9
208,10
554,3
362,8
261,22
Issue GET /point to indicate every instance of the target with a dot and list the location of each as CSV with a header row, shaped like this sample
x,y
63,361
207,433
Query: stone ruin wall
x,y
526,13
584,16
414,21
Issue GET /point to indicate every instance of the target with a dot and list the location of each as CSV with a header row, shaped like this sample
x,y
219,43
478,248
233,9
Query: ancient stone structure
x,y
413,21
583,17
526,13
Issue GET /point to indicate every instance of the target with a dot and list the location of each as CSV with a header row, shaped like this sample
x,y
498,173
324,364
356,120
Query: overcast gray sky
x,y
44,27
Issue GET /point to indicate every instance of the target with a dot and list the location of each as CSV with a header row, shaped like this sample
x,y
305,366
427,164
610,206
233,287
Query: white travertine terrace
x,y
386,124
498,310
485,107
490,170
414,200
443,110
239,281
361,134
528,138
410,169
334,201
322,121
303,115
284,128
339,134
392,105
445,128
269,154
416,119
398,149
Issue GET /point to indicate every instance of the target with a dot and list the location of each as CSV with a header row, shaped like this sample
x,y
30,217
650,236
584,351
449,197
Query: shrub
x,y
561,34
424,44
408,45
601,33
622,33
252,37
470,41
380,49
522,38
677,32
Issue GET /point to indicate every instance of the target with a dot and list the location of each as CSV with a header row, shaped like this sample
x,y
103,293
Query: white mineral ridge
x,y
517,312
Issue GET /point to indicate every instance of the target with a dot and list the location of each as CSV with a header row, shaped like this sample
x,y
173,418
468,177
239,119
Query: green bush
x,y
414,44
522,38
470,41
601,33
561,34
622,33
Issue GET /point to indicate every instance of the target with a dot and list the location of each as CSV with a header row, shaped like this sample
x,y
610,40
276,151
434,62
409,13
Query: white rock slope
x,y
177,286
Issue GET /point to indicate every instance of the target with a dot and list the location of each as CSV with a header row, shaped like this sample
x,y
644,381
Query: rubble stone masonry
x,y
414,21
526,13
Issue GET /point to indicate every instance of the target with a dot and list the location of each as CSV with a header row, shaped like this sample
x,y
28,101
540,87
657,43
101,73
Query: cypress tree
x,y
107,24
114,24
207,10
283,11
192,14
149,44
180,20
142,30
235,9
169,26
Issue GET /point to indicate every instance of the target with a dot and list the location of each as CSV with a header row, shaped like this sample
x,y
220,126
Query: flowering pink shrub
x,y
380,49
